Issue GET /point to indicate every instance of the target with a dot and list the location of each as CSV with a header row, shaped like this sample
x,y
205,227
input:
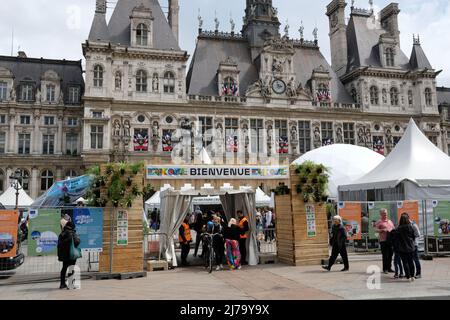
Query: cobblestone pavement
x,y
264,282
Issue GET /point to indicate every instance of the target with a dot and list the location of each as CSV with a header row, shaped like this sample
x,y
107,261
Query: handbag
x,y
75,253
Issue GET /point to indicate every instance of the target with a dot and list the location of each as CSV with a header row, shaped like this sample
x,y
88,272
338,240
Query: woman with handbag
x,y
68,251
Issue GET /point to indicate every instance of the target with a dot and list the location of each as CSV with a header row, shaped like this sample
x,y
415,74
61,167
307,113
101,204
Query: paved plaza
x,y
264,282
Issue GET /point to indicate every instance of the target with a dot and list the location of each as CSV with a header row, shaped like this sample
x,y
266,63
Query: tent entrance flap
x,y
175,206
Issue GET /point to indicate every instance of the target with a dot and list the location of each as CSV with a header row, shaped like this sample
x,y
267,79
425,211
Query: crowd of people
x,y
399,246
229,237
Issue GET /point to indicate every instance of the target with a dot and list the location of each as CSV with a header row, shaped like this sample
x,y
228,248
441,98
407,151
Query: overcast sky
x,y
56,28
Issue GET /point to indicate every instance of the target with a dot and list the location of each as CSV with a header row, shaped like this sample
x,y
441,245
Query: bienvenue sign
x,y
217,172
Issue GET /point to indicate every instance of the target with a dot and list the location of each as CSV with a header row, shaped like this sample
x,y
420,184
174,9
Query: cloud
x,y
57,28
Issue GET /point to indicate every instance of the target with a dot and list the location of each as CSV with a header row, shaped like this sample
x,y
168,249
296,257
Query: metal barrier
x,y
267,241
152,246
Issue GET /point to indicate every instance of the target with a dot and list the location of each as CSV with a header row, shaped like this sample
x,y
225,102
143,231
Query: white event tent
x,y
8,198
346,163
415,170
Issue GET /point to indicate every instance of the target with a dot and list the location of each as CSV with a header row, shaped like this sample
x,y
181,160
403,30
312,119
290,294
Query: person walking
x,y
383,227
338,242
243,224
232,237
416,259
185,241
198,228
67,236
406,245
268,225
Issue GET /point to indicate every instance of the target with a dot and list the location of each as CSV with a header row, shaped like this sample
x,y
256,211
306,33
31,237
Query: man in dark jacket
x,y
198,227
337,241
68,234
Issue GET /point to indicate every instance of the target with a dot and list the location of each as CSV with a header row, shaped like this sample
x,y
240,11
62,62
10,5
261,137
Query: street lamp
x,y
17,177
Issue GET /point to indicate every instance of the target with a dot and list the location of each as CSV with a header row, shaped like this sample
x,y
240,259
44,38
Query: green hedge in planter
x,y
313,181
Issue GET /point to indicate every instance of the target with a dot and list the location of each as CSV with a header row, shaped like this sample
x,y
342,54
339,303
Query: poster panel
x,y
8,233
122,228
350,213
89,226
441,213
374,215
311,220
409,207
43,232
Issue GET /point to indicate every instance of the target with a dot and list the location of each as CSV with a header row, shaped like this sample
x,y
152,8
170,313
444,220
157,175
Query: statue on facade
x,y
265,89
339,135
368,138
127,129
12,94
155,135
389,138
286,30
277,65
274,11
269,138
294,136
219,132
155,83
253,10
361,137
38,95
317,138
200,20
217,23
61,98
301,30
233,25
116,129
291,91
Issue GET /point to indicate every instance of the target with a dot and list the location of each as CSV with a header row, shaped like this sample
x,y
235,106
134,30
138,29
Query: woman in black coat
x,y
68,234
405,245
338,242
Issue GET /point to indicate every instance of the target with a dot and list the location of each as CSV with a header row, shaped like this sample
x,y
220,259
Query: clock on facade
x,y
279,86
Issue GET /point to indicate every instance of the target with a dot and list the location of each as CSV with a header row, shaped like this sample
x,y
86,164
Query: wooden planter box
x,y
295,246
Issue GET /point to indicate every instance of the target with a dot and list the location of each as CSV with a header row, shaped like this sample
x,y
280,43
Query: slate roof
x,y
99,28
119,25
362,45
418,58
443,95
70,72
209,52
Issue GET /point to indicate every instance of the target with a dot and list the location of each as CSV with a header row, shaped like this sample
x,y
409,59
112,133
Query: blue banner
x,y
89,226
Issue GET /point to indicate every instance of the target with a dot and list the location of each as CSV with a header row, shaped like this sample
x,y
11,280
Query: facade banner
x,y
350,213
216,172
311,220
374,215
441,213
43,232
89,226
122,228
409,207
9,224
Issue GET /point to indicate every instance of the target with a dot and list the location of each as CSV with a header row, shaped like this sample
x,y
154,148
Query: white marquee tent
x,y
346,163
8,199
415,170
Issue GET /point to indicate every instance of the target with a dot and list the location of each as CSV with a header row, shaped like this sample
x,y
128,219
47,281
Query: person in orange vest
x,y
243,224
185,241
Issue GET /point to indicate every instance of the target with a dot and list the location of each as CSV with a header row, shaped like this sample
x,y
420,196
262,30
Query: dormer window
x,y
230,87
98,76
51,93
141,81
26,92
354,94
169,82
428,97
3,91
390,57
74,95
142,35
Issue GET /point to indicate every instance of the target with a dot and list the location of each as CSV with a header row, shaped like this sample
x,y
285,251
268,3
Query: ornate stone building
x,y
257,95
40,121
443,95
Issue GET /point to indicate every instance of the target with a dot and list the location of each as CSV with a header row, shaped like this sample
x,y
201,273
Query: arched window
x,y
230,87
410,98
141,81
71,174
46,180
2,180
169,82
428,97
390,57
25,180
374,96
142,35
118,80
98,76
394,96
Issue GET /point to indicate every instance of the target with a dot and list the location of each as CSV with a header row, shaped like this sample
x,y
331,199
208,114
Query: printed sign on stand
x,y
122,228
311,220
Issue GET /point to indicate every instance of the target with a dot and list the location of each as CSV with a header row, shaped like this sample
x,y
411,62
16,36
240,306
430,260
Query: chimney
x,y
100,6
389,20
173,18
338,36
21,54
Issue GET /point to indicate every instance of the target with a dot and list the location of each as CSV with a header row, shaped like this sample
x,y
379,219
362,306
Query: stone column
x,y
12,134
59,174
34,183
36,139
